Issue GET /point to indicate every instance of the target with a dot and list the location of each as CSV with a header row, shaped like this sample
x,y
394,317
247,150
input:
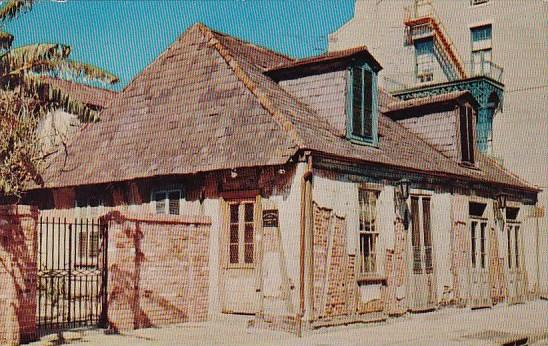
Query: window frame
x,y
480,48
424,75
469,157
241,244
374,139
373,232
166,201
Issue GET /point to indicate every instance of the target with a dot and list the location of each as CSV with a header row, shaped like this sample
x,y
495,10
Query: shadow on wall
x,y
17,274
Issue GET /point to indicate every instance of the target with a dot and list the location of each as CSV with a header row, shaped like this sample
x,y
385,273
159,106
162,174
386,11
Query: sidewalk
x,y
444,327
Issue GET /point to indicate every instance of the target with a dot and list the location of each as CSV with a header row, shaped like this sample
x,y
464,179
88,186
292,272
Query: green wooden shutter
x,y
357,101
367,104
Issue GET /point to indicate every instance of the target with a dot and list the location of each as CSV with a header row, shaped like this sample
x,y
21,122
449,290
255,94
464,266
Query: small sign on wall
x,y
270,218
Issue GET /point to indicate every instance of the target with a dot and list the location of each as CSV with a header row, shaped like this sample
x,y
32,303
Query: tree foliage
x,y
25,96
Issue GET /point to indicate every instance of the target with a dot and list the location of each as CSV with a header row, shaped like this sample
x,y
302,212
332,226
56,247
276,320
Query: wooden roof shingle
x,y
207,104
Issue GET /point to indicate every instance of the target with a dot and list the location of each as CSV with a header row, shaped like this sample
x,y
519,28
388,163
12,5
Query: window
x,y
466,120
362,113
424,54
478,2
87,243
368,234
241,238
477,236
421,235
167,202
481,50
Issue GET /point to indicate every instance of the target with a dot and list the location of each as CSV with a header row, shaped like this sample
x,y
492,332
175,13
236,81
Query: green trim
x,y
374,139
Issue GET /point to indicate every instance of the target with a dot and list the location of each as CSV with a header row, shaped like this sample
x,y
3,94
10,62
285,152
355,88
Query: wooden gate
x,y
72,274
422,285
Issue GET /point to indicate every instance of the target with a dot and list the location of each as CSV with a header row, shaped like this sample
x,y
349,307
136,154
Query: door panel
x,y
516,274
238,245
422,285
479,272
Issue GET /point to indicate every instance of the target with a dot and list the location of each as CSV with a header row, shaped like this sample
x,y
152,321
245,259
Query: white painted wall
x,y
519,41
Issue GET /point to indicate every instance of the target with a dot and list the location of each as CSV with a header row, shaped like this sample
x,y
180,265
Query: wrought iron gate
x,y
72,273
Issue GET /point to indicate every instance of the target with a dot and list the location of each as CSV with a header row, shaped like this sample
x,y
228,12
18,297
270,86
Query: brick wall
x,y
396,273
158,270
17,274
460,251
496,270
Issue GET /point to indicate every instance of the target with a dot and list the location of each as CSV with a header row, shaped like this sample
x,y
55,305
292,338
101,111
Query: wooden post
x,y
309,246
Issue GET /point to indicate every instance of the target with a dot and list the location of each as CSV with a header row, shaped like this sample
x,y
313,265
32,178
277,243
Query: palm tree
x,y
22,68
25,96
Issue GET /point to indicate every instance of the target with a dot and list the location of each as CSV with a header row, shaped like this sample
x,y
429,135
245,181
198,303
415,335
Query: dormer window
x,y
466,120
362,105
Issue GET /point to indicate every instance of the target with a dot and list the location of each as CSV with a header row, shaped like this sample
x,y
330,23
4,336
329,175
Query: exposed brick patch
x,y
278,323
496,271
336,304
396,273
158,270
18,272
460,251
321,225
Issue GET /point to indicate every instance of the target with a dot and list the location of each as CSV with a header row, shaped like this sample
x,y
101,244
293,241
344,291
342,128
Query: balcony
x,y
399,82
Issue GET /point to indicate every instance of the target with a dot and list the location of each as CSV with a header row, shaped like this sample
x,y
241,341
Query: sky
x,y
125,36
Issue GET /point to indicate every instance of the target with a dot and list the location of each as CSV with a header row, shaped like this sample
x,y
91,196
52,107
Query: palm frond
x,y
54,98
88,72
6,39
12,8
36,54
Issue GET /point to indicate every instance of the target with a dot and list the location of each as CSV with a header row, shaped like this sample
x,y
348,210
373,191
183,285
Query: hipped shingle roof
x,y
206,104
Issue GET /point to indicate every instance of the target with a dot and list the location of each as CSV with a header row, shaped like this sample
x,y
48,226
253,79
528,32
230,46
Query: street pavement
x,y
448,326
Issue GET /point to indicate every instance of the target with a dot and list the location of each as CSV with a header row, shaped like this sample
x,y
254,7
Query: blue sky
x,y
125,36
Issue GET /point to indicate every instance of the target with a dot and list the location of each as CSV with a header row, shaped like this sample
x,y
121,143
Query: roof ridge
x,y
286,125
257,46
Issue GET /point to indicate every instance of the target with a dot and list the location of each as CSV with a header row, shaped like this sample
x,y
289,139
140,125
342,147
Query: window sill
x,y
240,266
371,279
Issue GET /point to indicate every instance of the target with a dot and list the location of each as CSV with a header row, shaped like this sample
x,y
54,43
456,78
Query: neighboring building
x,y
496,49
330,202
58,126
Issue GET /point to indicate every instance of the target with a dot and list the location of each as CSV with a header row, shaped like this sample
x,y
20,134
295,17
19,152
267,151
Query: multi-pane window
x,y
241,233
421,235
482,50
363,116
167,202
368,232
424,53
466,120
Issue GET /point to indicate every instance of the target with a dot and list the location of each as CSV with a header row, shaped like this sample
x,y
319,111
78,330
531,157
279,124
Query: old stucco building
x,y
501,42
311,197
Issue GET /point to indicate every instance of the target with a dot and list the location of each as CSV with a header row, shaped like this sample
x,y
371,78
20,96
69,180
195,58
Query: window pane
x,y
464,136
516,245
174,200
234,213
160,198
470,129
415,235
234,233
82,244
357,98
233,253
248,253
94,248
482,245
248,233
248,212
427,234
473,226
509,246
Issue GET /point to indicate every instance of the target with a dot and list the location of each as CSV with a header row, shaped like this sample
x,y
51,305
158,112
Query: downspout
x,y
306,204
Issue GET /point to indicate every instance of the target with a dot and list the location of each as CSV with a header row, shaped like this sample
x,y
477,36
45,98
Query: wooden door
x,y
479,271
516,273
239,257
422,285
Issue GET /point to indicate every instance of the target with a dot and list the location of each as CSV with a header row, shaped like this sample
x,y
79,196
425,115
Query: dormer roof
x,y
329,62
